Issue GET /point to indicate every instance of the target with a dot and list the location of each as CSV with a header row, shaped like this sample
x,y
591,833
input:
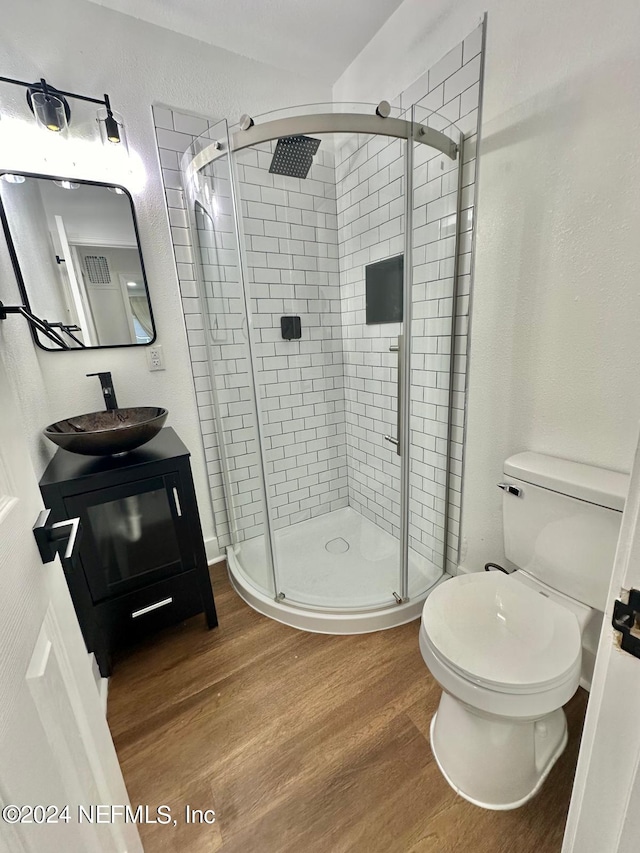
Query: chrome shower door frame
x,y
404,369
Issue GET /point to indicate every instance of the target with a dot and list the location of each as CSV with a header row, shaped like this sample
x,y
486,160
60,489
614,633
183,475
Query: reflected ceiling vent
x,y
294,156
97,269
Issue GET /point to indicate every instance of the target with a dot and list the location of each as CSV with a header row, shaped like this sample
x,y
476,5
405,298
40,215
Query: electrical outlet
x,y
155,359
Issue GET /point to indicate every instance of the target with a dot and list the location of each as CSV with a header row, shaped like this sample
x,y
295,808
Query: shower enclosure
x,y
326,244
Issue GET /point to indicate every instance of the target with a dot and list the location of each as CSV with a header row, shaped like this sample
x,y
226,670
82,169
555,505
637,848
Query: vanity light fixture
x,y
67,185
52,111
111,125
132,284
13,179
116,190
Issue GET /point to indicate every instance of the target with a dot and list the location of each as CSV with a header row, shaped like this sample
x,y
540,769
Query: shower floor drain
x,y
337,546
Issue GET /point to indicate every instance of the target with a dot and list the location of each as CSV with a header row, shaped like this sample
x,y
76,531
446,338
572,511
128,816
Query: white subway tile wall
x,y
452,88
228,405
329,398
370,196
291,240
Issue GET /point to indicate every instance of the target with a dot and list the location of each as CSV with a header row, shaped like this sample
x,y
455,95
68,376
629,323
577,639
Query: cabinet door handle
x,y
176,501
151,607
51,538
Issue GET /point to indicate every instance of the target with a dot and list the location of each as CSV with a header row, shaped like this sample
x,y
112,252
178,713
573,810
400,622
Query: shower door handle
x,y
399,348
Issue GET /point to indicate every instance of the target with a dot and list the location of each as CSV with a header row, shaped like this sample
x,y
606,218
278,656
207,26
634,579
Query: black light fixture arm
x,y
43,86
45,113
37,323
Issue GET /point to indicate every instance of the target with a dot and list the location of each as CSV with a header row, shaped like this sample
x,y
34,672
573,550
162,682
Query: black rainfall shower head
x,y
294,156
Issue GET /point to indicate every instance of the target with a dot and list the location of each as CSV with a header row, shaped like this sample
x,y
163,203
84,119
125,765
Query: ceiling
x,y
316,38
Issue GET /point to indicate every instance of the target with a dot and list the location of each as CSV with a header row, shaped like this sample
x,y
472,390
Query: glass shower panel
x,y
327,379
225,390
435,202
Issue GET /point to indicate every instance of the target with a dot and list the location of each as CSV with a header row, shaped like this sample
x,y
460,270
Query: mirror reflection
x,y
77,258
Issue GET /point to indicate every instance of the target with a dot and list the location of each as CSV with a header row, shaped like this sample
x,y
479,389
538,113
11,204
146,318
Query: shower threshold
x,y
338,573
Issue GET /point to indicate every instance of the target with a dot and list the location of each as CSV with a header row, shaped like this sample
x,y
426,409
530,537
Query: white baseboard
x,y
212,549
103,690
101,683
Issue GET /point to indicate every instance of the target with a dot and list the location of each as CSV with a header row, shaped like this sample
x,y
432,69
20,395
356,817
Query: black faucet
x,y
107,390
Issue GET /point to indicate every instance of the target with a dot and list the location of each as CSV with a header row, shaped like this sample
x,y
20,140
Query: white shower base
x,y
338,573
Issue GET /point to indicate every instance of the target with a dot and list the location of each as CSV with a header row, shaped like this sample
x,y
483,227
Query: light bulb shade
x,y
49,111
112,130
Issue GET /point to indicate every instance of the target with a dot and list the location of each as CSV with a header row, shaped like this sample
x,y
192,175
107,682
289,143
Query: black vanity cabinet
x,y
141,562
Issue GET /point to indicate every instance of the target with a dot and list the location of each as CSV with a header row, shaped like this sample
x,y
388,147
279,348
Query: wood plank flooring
x,y
304,743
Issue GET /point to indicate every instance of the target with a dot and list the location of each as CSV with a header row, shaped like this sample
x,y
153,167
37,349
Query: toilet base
x,y
495,762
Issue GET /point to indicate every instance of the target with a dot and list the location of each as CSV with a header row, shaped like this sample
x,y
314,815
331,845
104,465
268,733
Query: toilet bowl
x,y
507,648
507,656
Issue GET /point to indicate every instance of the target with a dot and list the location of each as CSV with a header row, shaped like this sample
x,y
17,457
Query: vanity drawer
x,y
146,610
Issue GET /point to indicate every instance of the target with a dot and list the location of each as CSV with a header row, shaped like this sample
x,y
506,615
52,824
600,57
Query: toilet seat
x,y
500,634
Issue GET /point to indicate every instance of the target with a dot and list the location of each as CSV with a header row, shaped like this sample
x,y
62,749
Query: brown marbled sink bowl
x,y
108,432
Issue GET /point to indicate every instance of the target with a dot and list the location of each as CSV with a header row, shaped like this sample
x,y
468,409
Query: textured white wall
x,y
82,47
555,348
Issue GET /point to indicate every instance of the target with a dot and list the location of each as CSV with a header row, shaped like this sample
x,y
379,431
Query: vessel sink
x,y
108,432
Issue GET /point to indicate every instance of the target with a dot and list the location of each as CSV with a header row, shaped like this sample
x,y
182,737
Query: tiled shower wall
x,y
175,132
329,398
370,194
225,388
292,269
291,238
453,89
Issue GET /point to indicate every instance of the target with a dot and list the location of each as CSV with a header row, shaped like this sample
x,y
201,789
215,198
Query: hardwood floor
x,y
304,742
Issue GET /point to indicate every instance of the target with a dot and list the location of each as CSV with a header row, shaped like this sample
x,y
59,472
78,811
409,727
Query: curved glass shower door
x,y
324,240
223,365
437,395
326,267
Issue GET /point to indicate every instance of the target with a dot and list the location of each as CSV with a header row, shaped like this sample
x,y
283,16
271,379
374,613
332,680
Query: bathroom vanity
x,y
141,562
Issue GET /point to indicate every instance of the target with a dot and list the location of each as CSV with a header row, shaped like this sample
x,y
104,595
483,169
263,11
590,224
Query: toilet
x,y
509,650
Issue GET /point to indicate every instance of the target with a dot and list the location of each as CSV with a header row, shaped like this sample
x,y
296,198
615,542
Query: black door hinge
x,y
626,620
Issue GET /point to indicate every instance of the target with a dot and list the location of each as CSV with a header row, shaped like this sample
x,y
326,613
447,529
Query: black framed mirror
x,y
76,254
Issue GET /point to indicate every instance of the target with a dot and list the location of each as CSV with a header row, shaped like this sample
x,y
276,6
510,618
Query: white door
x,y
604,816
77,288
55,745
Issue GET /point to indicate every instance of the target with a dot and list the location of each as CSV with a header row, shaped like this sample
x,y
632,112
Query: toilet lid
x,y
497,631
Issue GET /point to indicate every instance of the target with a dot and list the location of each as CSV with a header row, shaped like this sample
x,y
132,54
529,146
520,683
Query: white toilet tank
x,y
563,526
